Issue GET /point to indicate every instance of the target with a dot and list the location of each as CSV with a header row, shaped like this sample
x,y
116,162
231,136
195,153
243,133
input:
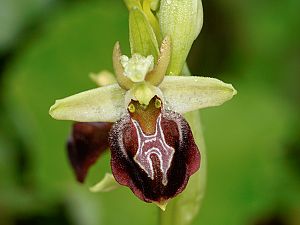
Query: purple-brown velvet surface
x,y
86,143
124,143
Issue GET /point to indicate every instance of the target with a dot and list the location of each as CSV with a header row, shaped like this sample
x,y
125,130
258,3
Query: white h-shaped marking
x,y
153,144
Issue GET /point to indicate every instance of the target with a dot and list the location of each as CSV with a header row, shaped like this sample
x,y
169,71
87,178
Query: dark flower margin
x,y
153,151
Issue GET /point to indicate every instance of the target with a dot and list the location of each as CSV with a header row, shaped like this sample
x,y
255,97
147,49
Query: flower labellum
x,y
153,151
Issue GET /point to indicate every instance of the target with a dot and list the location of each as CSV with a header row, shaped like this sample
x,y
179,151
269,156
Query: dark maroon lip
x,y
129,172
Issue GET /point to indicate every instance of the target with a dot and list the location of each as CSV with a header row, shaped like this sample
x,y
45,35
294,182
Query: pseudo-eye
x,y
153,151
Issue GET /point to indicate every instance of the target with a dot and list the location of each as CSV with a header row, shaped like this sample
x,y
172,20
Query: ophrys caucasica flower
x,y
153,151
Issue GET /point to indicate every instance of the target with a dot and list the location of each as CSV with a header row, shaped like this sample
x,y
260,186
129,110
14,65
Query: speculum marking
x,y
153,144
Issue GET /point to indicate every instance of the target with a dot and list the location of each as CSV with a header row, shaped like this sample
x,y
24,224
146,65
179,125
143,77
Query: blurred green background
x,y
47,50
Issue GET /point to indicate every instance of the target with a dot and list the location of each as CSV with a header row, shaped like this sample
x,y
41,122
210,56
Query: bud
x,y
181,20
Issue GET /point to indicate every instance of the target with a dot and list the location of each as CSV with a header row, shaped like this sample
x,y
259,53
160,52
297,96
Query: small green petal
x,y
105,104
108,183
156,76
122,80
103,78
141,35
187,93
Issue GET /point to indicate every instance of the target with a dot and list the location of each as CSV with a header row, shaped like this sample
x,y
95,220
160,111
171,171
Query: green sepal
x,y
104,104
188,93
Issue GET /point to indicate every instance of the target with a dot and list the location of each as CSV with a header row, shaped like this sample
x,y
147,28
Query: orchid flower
x,y
139,116
152,147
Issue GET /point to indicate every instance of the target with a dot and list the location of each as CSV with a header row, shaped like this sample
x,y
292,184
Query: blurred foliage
x,y
49,47
15,17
